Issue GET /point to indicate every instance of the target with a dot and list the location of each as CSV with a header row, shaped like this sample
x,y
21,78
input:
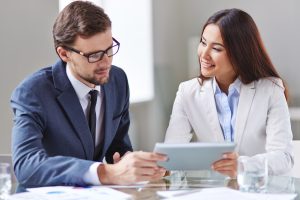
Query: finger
x,y
152,156
150,171
116,157
223,160
226,168
157,175
231,174
134,161
224,163
230,155
146,164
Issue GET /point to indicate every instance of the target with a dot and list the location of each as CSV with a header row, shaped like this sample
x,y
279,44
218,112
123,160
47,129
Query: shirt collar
x,y
236,85
80,88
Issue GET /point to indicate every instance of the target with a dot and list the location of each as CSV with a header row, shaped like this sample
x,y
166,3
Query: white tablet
x,y
192,156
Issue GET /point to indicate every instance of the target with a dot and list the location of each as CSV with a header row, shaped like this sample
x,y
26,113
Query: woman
x,y
238,97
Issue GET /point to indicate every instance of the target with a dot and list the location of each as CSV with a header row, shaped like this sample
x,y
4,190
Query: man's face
x,y
96,73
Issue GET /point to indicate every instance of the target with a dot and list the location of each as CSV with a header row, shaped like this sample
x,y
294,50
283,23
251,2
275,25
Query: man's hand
x,y
117,156
227,165
133,167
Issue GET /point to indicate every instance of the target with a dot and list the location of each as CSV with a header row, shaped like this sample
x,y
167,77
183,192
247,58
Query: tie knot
x,y
93,94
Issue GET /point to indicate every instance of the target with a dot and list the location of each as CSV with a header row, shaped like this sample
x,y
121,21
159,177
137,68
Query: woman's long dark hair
x,y
243,45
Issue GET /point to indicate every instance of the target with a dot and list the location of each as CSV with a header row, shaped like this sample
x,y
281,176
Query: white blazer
x,y
262,126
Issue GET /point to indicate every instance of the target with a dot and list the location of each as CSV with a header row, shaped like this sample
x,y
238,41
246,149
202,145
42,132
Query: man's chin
x,y
102,81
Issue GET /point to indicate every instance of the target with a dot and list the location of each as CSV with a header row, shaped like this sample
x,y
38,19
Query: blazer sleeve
x,y
32,165
179,129
279,134
278,144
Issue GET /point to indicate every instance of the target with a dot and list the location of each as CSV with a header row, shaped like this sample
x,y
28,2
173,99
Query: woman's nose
x,y
205,52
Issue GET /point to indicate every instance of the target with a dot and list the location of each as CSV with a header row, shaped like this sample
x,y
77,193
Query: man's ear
x,y
63,54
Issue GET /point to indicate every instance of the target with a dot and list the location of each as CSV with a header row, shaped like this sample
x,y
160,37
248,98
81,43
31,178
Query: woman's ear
x,y
63,54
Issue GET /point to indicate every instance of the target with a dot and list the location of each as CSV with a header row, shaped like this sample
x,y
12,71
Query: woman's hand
x,y
227,165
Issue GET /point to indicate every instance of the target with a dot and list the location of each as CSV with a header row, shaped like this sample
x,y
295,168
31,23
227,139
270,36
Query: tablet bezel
x,y
192,156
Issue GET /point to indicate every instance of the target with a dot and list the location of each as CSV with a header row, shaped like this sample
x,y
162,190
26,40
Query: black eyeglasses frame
x,y
88,55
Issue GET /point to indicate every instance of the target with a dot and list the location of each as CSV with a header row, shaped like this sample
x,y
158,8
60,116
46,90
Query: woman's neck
x,y
225,83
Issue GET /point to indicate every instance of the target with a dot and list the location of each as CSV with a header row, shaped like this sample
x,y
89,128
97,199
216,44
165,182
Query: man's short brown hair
x,y
79,18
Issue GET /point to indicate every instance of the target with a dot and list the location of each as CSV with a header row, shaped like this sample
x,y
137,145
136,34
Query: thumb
x,y
116,157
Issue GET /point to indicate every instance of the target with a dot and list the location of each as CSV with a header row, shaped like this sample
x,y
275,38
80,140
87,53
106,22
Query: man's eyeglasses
x,y
96,56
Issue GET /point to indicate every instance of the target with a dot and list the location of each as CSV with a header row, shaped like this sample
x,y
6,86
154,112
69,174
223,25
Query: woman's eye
x,y
217,49
203,43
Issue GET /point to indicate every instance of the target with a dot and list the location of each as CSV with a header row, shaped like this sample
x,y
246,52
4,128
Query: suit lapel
x,y
71,105
108,116
245,102
209,106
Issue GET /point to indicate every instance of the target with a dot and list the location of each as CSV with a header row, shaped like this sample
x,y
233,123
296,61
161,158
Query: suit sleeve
x,y
179,129
32,165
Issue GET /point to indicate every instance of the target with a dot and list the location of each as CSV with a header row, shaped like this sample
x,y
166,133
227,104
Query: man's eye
x,y
95,55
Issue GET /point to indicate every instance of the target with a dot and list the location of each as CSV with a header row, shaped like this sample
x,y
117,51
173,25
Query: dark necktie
x,y
92,113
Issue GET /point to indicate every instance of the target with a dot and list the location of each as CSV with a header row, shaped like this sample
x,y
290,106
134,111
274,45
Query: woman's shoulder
x,y
190,86
271,82
193,87
189,83
194,83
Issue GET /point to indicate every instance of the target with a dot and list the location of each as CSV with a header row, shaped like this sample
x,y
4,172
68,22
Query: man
x,y
71,115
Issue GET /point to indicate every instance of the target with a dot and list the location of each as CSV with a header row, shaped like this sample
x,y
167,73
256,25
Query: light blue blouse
x,y
227,107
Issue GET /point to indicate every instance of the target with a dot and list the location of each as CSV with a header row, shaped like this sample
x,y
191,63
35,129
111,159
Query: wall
x,y
26,45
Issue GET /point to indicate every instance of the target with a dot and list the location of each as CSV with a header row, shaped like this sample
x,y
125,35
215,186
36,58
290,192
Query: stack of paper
x,y
70,193
222,193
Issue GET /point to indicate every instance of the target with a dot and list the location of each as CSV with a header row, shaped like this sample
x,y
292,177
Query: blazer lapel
x,y
209,106
71,105
245,102
108,117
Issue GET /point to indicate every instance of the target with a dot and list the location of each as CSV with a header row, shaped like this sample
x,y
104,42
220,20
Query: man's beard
x,y
102,81
95,81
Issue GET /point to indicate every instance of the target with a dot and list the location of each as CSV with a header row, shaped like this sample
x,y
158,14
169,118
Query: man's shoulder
x,y
117,71
117,75
39,78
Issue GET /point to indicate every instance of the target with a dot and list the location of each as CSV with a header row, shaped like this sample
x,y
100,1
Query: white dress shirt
x,y
82,91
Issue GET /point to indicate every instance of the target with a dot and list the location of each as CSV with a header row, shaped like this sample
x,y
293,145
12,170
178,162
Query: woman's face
x,y
212,55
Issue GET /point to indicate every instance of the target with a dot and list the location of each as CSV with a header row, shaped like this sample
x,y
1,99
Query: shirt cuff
x,y
91,176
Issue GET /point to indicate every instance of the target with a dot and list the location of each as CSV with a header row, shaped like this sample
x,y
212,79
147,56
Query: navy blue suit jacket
x,y
51,140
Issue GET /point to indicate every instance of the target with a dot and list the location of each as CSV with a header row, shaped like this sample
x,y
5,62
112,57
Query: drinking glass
x,y
252,174
5,180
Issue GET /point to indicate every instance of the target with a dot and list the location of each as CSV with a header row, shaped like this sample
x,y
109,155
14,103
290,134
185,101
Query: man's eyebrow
x,y
92,52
